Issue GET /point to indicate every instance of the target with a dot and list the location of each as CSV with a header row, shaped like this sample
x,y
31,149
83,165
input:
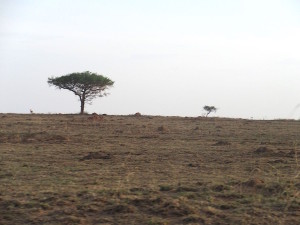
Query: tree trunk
x,y
82,106
82,101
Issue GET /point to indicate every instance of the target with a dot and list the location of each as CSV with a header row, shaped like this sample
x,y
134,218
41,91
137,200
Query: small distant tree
x,y
209,109
85,85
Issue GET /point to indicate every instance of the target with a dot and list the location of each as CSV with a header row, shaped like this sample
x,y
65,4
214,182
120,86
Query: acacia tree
x,y
209,109
85,85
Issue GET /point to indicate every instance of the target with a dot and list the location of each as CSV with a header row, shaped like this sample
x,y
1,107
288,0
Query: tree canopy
x,y
209,109
85,85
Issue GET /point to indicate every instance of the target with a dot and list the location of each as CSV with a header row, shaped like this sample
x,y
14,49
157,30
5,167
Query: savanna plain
x,y
138,169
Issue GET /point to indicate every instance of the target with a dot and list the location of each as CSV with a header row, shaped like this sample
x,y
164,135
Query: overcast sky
x,y
167,57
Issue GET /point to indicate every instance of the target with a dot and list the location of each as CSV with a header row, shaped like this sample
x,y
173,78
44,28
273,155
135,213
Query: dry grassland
x,y
72,169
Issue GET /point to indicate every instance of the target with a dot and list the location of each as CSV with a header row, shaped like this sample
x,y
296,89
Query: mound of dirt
x,y
263,151
278,161
221,143
291,153
122,208
254,183
138,114
96,117
96,155
162,129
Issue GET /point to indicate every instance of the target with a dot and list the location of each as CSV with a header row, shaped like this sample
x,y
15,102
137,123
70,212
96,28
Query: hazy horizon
x,y
166,57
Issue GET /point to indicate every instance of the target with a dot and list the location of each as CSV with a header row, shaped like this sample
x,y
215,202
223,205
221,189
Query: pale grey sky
x,y
167,57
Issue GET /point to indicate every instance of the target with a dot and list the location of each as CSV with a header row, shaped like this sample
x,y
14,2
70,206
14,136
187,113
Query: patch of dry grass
x,y
69,169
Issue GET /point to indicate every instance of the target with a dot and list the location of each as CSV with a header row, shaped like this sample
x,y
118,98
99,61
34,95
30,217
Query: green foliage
x,y
85,85
209,109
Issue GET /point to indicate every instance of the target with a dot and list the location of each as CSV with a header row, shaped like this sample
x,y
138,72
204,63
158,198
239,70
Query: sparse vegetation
x,y
64,169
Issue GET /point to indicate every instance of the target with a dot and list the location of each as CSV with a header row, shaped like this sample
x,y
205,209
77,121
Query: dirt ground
x,y
72,169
